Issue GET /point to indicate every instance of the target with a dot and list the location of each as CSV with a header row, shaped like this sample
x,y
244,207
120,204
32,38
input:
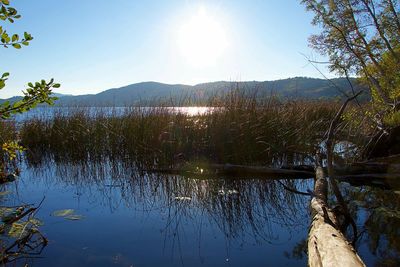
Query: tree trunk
x,y
327,246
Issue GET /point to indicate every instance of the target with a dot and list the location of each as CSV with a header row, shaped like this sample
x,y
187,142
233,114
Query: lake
x,y
49,112
118,215
131,219
143,220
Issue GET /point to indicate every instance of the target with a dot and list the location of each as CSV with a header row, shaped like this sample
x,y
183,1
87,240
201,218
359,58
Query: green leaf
x,y
56,85
17,46
15,37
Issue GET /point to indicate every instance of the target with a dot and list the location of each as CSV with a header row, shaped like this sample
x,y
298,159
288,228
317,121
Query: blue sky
x,y
92,45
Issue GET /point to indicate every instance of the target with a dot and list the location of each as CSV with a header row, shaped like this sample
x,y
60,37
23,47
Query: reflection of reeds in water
x,y
237,207
242,130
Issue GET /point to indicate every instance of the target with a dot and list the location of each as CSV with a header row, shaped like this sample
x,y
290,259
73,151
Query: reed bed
x,y
239,129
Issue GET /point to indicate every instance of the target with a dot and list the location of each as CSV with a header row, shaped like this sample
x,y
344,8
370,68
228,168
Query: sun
x,y
202,39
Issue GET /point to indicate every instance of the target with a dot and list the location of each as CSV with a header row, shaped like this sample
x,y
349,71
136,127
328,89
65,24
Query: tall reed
x,y
239,129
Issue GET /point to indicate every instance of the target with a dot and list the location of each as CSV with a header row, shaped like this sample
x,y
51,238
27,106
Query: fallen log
x,y
327,245
236,171
388,159
355,174
368,168
383,180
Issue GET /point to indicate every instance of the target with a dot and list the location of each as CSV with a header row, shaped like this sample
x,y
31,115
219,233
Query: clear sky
x,y
92,45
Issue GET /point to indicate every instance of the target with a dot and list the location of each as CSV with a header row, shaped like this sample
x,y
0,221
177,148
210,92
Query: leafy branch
x,y
35,94
10,14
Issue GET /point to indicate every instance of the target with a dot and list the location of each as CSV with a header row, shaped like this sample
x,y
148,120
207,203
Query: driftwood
x,y
327,246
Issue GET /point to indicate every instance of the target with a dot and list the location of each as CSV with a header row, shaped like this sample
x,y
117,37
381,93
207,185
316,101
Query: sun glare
x,y
202,39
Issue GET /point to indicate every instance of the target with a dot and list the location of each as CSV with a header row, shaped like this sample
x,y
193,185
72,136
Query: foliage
x,y
36,93
381,210
10,14
10,149
20,236
361,37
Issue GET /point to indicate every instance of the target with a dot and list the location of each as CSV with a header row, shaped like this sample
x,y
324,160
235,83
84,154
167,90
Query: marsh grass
x,y
239,129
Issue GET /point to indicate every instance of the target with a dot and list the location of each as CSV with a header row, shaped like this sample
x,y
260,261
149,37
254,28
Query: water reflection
x,y
379,210
218,218
136,218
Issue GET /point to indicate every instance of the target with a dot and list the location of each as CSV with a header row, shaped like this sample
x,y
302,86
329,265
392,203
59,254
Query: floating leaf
x,y
63,213
67,214
74,217
183,198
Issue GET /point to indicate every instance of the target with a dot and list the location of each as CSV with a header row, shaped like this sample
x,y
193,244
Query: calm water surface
x,y
132,219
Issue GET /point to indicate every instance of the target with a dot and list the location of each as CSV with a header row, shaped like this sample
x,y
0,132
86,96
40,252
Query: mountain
x,y
153,92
